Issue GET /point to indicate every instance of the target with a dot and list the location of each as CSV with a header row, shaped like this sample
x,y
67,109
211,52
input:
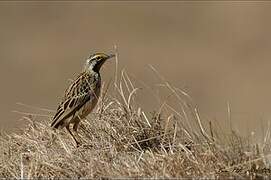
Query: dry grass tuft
x,y
122,140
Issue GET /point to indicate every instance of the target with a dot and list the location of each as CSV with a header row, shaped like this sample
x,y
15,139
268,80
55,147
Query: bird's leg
x,y
75,126
74,138
53,137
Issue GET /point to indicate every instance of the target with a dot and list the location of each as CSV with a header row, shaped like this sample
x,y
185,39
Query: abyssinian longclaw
x,y
81,96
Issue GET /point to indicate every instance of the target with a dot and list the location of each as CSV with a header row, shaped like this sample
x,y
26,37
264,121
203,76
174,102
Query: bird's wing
x,y
78,93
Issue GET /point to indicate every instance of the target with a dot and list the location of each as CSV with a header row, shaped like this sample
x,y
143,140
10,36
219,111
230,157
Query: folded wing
x,y
76,96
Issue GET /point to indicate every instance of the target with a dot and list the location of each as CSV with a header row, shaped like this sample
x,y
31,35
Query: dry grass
x,y
122,140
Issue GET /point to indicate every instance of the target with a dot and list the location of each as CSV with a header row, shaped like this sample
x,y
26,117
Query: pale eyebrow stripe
x,y
95,57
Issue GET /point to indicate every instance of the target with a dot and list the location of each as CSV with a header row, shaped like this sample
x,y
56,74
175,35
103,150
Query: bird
x,y
81,96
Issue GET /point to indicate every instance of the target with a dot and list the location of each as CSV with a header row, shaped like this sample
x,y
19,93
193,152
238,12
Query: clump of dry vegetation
x,y
122,140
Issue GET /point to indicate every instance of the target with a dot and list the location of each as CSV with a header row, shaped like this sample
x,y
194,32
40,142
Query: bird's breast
x,y
94,96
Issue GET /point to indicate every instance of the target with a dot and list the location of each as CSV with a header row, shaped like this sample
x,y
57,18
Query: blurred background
x,y
218,52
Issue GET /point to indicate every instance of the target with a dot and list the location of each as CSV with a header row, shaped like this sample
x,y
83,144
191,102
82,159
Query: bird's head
x,y
95,61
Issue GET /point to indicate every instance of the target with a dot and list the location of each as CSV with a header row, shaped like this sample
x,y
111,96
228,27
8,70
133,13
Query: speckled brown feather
x,y
84,89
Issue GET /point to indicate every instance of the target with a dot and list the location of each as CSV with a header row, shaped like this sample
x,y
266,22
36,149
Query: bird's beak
x,y
111,56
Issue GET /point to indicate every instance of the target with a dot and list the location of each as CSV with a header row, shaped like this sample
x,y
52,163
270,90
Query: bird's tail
x,y
55,125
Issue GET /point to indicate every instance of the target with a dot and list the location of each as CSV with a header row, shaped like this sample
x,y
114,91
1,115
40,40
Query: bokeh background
x,y
218,52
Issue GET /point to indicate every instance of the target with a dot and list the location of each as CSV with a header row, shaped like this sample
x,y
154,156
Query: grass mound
x,y
122,140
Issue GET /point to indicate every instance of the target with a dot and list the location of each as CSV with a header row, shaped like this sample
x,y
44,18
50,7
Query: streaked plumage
x,y
81,96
